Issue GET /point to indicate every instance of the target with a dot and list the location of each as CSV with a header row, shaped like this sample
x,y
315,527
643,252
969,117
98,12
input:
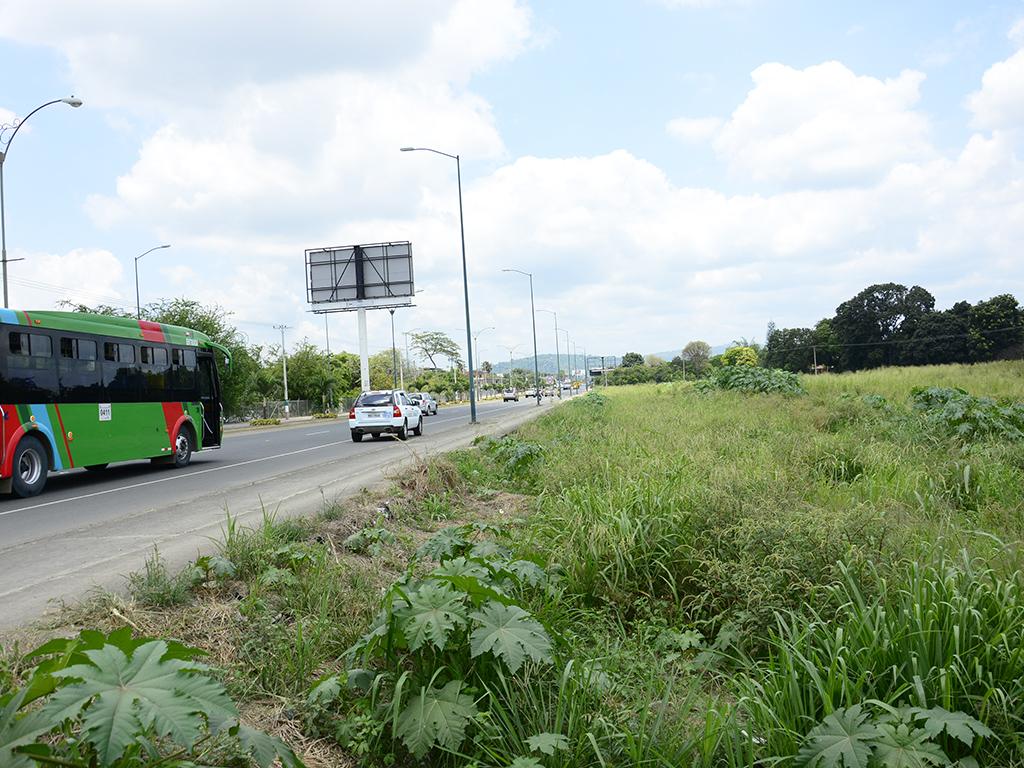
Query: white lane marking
x,y
321,432
197,472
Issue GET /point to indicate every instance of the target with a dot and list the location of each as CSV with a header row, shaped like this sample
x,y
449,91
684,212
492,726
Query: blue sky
x,y
669,170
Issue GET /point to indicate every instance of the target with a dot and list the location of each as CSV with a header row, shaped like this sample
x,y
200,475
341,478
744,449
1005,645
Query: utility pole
x,y
327,339
815,351
394,353
284,368
558,362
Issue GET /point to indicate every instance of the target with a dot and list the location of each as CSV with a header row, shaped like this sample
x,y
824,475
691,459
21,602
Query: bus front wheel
x,y
183,447
29,468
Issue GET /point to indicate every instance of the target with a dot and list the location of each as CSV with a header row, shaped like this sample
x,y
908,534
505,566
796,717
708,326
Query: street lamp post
x,y
511,380
533,319
465,275
558,363
476,342
406,361
569,362
284,367
71,101
138,305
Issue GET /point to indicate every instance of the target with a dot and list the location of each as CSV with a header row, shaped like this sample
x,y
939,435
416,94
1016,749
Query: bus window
x,y
154,369
78,370
183,373
122,377
31,373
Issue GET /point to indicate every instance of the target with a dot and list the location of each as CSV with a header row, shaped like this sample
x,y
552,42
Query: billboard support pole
x,y
364,352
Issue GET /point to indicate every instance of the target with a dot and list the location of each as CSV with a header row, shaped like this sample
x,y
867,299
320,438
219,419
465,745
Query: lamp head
x,y
408,149
72,101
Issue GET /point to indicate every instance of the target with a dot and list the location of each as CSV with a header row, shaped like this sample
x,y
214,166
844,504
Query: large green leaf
x,y
17,731
445,544
119,695
842,740
510,633
958,725
436,717
265,749
901,746
433,613
547,742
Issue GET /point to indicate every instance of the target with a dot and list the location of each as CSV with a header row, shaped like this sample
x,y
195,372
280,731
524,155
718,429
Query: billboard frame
x,y
343,276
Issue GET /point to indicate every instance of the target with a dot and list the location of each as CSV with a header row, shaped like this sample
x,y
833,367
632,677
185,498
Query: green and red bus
x,y
84,390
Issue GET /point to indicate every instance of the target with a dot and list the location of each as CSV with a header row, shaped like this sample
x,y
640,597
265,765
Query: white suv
x,y
384,412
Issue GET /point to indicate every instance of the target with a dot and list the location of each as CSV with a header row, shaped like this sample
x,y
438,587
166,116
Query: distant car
x,y
509,394
382,412
531,392
425,402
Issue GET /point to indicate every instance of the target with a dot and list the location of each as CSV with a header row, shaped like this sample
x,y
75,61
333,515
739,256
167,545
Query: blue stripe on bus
x,y
9,316
43,420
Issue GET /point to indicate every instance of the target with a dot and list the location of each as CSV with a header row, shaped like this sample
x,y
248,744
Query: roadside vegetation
x,y
763,569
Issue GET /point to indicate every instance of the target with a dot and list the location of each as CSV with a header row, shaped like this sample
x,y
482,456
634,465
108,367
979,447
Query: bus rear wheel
x,y
183,447
29,468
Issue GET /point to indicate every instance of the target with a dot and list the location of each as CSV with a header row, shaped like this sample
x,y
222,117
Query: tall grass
x,y
947,634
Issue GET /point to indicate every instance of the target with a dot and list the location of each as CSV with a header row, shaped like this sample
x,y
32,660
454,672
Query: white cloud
x,y
1017,33
824,125
83,275
999,103
280,155
694,128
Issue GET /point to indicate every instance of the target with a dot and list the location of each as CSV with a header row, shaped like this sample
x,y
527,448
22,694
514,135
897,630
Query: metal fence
x,y
274,409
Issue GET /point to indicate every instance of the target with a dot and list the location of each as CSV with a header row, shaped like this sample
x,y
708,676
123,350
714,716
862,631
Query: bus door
x,y
209,396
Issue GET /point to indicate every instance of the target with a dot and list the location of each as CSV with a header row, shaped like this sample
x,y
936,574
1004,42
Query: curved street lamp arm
x,y
156,248
18,123
428,149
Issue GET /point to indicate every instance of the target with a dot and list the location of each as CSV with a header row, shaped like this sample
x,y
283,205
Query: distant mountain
x,y
666,356
546,361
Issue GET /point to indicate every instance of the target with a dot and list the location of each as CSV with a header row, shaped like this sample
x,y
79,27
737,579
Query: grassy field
x,y
647,576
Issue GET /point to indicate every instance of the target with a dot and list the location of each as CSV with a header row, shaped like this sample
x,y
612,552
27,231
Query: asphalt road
x,y
89,528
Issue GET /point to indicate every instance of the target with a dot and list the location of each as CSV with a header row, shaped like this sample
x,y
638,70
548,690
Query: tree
x,y
653,361
435,344
631,360
791,349
100,309
987,318
869,323
310,376
744,355
697,354
939,337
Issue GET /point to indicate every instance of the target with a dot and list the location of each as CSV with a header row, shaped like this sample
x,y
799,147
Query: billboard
x,y
374,276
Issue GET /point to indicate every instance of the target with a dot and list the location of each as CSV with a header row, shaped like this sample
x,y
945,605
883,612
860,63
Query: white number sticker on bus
x,y
104,411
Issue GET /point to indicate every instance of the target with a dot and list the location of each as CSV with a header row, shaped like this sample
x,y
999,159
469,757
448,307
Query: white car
x,y
383,412
509,394
425,402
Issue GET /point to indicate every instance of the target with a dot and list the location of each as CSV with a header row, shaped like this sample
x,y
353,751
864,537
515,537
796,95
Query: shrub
x,y
325,415
264,422
742,356
967,417
114,701
747,379
441,640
